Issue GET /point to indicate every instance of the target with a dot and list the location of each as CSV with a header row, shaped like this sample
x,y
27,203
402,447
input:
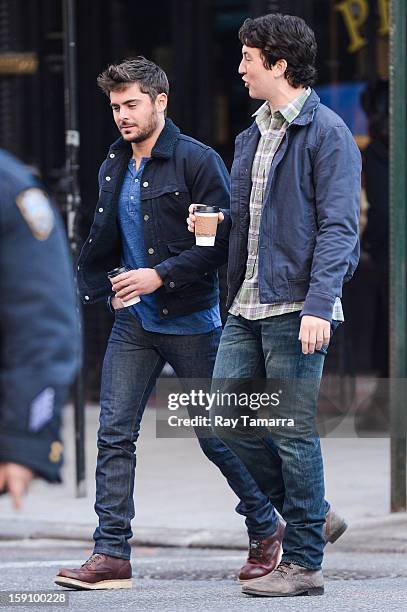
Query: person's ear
x,y
280,66
161,102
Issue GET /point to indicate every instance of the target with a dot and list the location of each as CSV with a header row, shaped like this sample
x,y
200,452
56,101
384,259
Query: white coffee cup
x,y
116,272
206,224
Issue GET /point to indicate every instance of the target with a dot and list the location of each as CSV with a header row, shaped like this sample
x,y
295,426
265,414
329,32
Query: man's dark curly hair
x,y
283,37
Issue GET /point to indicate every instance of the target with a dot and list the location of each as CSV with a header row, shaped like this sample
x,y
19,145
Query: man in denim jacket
x,y
151,175
295,191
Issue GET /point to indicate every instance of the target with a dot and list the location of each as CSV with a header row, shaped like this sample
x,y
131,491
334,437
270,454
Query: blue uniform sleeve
x,y
40,335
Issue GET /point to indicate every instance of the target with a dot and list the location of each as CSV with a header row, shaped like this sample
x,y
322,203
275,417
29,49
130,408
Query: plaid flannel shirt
x,y
272,127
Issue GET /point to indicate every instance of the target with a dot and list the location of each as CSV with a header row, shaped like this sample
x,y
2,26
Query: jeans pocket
x,y
334,326
324,348
120,311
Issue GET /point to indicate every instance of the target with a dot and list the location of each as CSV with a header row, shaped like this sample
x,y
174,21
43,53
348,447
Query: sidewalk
x,y
183,500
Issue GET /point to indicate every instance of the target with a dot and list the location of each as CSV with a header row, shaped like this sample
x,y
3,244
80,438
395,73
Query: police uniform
x,y
39,330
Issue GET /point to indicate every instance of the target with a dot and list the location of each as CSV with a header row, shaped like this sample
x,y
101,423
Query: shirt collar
x,y
289,112
132,166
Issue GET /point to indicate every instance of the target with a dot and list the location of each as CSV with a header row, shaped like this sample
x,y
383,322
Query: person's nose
x,y
123,114
242,68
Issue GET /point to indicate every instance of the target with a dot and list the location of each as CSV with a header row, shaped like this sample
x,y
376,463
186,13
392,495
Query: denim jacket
x,y
181,170
308,241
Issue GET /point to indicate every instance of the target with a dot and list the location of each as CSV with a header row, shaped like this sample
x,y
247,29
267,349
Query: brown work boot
x,y
287,580
98,572
334,527
264,555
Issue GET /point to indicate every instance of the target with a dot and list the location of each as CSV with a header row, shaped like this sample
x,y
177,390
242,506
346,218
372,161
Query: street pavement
x,y
184,580
184,504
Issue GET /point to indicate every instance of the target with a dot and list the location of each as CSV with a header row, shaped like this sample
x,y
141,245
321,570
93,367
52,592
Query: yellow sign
x,y
384,12
355,14
18,63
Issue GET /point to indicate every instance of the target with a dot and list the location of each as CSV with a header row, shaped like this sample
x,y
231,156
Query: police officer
x,y
39,331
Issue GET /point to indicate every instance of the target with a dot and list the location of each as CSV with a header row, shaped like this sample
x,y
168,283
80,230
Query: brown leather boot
x,y
262,558
264,555
98,572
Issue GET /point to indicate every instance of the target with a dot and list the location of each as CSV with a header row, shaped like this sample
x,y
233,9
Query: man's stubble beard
x,y
148,130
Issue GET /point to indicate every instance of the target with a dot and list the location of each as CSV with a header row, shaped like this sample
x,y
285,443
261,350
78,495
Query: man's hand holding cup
x,y
129,284
202,221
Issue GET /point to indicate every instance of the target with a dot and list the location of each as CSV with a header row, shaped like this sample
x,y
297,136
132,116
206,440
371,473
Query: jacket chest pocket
x,y
170,201
169,210
107,183
180,198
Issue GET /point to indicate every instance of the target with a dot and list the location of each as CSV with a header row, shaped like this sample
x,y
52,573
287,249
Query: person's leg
x,y
193,357
300,452
299,474
239,362
130,369
233,362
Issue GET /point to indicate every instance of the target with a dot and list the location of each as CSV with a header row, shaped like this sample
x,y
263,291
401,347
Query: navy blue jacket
x,y
181,170
39,327
309,241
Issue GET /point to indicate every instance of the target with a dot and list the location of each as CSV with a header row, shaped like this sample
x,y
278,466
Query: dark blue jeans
x,y
286,466
133,361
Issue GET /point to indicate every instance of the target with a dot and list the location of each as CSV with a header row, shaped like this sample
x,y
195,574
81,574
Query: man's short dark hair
x,y
151,79
283,37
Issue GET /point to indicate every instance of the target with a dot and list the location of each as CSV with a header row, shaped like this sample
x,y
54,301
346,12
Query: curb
x,y
21,529
376,534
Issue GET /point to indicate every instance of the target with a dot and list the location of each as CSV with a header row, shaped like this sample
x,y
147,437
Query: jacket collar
x,y
304,118
307,112
163,148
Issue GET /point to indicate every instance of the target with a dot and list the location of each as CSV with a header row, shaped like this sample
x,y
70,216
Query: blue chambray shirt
x,y
133,256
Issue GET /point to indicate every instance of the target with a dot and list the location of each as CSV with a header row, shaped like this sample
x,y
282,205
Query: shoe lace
x,y
92,559
284,567
255,549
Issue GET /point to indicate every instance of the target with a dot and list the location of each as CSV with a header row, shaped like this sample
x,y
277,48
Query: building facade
x,y
196,42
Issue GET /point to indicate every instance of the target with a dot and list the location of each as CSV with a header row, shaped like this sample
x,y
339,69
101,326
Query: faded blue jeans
x,y
287,465
134,359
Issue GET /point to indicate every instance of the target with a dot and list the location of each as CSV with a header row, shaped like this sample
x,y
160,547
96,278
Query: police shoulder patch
x,y
37,212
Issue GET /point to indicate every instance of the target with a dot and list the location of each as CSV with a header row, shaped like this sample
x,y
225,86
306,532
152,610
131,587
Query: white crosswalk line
x,y
136,562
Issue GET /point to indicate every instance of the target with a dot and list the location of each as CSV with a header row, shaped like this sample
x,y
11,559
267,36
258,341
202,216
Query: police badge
x,y
37,212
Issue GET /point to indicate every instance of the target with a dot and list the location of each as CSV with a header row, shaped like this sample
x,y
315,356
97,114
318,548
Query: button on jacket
x,y
180,171
308,236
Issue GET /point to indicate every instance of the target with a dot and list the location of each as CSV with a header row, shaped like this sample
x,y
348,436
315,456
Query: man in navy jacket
x,y
295,193
151,175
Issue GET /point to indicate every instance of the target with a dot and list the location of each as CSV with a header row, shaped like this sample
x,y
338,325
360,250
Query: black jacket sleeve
x,y
210,185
